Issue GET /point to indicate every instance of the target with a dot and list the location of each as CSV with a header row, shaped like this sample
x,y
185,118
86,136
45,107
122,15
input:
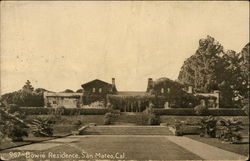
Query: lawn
x,y
26,140
127,147
59,132
242,149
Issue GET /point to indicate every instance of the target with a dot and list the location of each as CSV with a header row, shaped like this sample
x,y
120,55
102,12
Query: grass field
x,y
242,149
26,140
127,147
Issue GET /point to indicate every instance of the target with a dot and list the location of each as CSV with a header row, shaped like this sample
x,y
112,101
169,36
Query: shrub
x,y
42,127
14,131
200,109
178,126
78,123
154,119
24,98
109,106
12,108
12,124
208,126
225,130
228,130
142,119
245,104
246,109
107,121
58,112
109,117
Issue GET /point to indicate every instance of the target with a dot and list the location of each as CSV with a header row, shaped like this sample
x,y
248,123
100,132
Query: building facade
x,y
67,100
161,93
97,90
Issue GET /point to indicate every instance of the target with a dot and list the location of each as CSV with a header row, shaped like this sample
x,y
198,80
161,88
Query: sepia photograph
x,y
124,80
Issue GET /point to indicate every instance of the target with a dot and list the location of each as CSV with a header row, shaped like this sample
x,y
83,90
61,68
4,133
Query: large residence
x,y
156,93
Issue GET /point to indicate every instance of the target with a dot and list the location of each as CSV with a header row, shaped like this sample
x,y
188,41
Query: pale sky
x,y
63,44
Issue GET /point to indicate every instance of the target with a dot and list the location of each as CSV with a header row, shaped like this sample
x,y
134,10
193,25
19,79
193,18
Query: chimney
x,y
113,82
150,84
113,89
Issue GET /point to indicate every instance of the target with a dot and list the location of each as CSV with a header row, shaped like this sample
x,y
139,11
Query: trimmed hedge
x,y
172,111
66,111
226,112
191,112
35,110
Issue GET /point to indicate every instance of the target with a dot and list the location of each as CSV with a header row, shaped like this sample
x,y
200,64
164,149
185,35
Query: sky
x,y
60,45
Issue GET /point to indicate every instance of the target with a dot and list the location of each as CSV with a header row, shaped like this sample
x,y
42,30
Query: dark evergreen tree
x,y
212,68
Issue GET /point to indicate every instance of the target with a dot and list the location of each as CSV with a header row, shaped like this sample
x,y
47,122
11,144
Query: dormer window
x,y
93,90
162,90
100,90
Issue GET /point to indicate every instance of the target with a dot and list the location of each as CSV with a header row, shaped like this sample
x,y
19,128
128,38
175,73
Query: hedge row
x,y
191,112
66,111
173,111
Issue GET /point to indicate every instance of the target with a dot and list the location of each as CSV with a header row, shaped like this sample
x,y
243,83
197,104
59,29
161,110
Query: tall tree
x,y
68,91
27,96
199,69
212,68
28,87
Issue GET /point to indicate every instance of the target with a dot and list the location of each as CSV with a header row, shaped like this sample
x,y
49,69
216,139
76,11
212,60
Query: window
x,y
168,90
100,90
162,90
54,102
93,90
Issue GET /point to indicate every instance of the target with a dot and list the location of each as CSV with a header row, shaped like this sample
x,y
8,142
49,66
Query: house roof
x,y
131,93
93,82
61,94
